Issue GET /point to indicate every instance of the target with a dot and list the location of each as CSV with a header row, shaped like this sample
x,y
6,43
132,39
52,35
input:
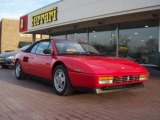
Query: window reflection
x,y
58,37
78,35
138,39
104,39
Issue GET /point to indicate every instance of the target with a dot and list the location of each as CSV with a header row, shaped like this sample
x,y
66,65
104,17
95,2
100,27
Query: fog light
x,y
143,77
105,80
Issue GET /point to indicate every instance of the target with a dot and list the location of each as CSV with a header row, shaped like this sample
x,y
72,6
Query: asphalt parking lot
x,y
32,100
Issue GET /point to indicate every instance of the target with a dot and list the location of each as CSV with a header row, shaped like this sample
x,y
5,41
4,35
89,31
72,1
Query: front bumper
x,y
108,89
5,62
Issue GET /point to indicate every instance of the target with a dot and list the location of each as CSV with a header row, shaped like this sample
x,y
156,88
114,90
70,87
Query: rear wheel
x,y
18,71
61,82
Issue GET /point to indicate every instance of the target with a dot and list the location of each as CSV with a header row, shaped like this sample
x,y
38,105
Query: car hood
x,y
101,64
7,54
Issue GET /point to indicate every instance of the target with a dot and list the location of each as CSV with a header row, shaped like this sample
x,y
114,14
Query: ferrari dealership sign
x,y
44,17
67,13
38,19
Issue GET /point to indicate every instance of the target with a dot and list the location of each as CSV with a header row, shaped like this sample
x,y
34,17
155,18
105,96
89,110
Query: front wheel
x,y
18,71
61,82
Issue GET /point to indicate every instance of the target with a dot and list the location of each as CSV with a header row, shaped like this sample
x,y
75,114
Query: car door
x,y
41,63
27,59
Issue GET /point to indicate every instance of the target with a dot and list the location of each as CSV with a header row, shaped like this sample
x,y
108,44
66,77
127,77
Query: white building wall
x,y
72,11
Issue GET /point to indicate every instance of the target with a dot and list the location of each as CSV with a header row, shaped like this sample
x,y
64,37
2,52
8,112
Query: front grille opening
x,y
2,59
123,86
129,78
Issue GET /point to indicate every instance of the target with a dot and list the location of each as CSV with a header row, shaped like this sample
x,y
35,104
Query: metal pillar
x,y
33,38
88,35
159,36
50,37
41,36
65,35
117,47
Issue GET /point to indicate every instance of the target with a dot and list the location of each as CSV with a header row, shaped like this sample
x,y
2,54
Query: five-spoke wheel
x,y
18,71
61,82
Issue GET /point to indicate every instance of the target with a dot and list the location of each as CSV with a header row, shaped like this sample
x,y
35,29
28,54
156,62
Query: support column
x,y
41,36
88,35
33,38
159,36
117,44
65,35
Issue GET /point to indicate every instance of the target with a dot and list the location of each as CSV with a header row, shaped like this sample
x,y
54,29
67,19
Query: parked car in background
x,y
7,59
76,64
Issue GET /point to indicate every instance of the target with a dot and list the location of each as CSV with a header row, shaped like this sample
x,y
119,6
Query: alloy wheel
x,y
18,69
59,80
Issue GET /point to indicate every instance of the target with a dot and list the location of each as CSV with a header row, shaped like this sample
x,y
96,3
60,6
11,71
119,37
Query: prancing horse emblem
x,y
123,68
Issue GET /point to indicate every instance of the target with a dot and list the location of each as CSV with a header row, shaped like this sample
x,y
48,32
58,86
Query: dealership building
x,y
11,39
118,28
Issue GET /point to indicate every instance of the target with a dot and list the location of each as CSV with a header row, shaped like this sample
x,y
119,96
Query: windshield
x,y
76,48
24,48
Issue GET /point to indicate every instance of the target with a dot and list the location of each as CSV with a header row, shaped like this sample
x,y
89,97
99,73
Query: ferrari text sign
x,y
45,17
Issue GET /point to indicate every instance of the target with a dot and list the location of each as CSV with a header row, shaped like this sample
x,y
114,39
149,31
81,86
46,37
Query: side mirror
x,y
47,51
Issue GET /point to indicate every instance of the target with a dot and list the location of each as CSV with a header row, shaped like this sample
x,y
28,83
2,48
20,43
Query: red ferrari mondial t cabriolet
x,y
75,64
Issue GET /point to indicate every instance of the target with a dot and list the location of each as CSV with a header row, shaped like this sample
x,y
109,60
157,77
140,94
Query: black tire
x,y
18,71
5,66
61,82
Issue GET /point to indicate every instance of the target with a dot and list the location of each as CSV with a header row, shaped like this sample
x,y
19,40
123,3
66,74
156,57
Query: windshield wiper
x,y
92,53
70,53
79,53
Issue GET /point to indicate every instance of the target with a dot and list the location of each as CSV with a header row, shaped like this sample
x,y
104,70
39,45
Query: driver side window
x,y
34,49
40,47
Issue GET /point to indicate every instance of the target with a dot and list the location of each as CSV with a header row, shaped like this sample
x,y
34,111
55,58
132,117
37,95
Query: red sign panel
x,y
23,24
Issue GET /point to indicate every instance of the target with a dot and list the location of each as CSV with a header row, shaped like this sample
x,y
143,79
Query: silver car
x,y
7,58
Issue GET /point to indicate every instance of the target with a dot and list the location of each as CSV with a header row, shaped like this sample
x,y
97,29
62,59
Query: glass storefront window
x,y
59,37
104,39
78,35
137,40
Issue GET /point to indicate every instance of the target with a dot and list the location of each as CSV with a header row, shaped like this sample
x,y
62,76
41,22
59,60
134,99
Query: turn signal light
x,y
105,80
143,77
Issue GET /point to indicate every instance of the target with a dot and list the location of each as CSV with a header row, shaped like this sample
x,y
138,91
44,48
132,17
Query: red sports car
x,y
75,64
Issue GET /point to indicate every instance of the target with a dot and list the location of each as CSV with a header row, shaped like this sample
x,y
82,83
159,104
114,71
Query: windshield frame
x,y
24,48
75,51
